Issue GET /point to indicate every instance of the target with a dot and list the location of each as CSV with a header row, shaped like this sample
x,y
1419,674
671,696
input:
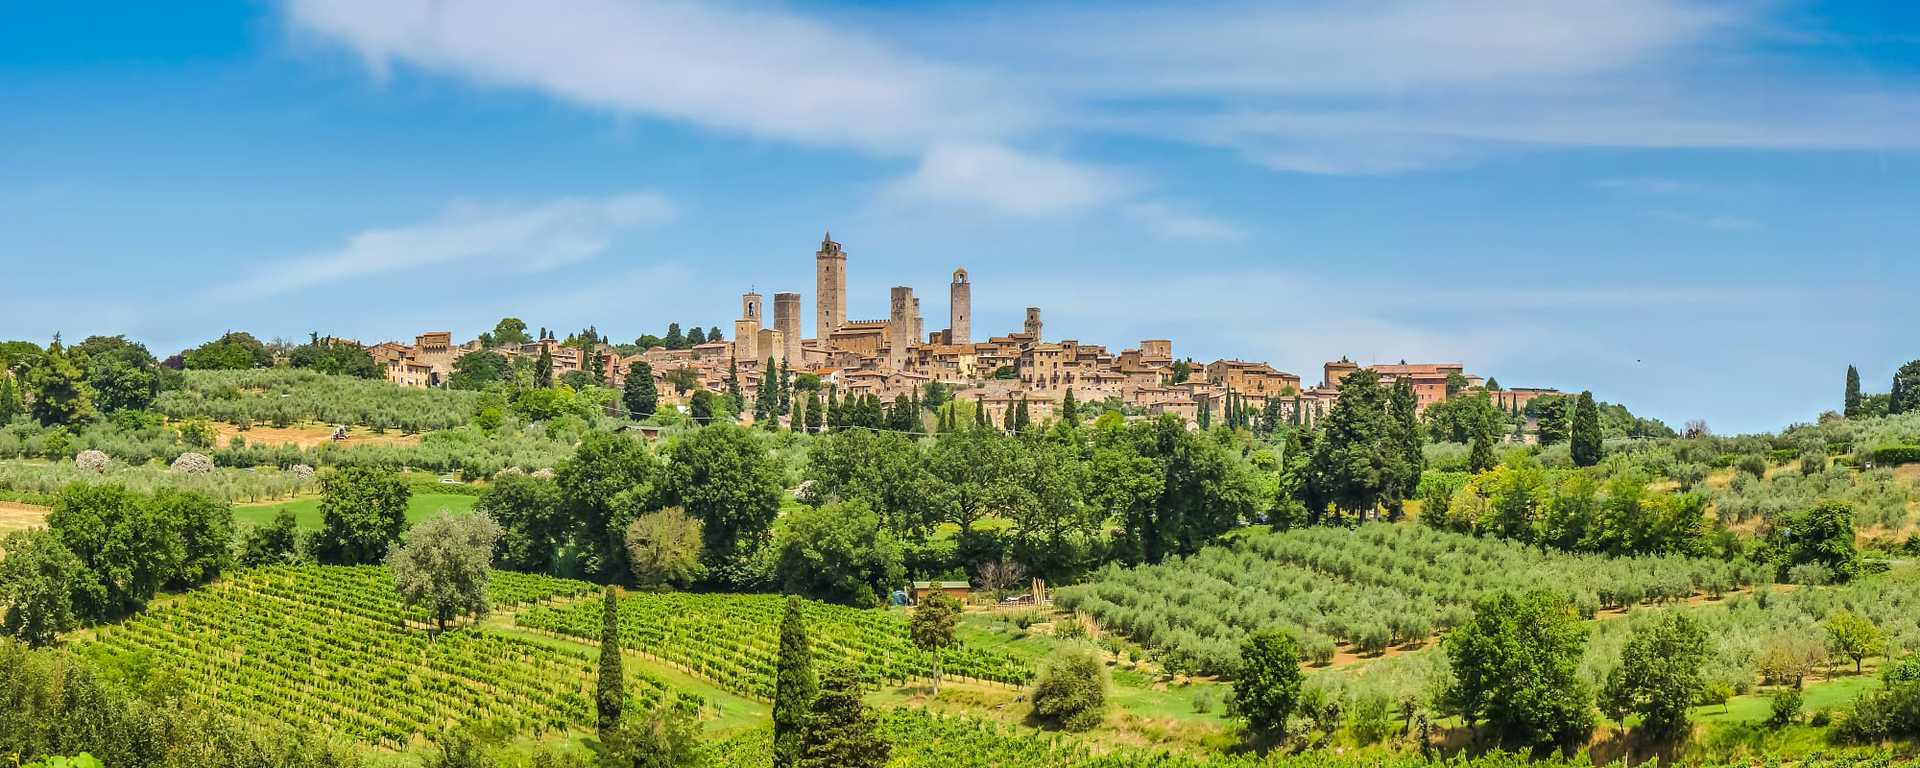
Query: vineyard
x,y
331,649
922,740
1373,587
284,396
733,639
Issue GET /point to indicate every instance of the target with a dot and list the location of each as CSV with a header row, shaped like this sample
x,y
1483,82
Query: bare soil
x,y
309,435
15,516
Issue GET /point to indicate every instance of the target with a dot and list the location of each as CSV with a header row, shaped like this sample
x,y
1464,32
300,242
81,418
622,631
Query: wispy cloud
x,y
1646,185
1716,222
525,239
1009,182
1174,223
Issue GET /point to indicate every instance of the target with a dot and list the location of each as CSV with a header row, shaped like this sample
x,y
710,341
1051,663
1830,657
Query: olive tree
x,y
444,565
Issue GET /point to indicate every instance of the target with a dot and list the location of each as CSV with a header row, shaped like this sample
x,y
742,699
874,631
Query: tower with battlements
x,y
829,288
1033,323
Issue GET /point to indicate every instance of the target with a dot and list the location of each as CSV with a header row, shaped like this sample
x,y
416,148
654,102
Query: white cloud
x,y
758,71
529,239
1009,182
1176,224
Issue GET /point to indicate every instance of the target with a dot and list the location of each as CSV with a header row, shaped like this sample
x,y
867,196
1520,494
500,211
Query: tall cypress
x,y
814,420
794,686
1586,431
639,395
1070,409
1852,406
980,411
786,389
1404,408
842,731
543,369
9,399
610,697
1020,421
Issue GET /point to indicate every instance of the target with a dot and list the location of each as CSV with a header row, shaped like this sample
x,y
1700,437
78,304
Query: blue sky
x,y
1703,210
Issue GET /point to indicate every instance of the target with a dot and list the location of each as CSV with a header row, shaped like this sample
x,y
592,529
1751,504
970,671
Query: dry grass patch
x,y
308,436
17,517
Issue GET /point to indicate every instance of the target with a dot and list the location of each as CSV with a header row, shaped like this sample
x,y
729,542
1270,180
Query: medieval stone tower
x,y
786,320
900,326
960,309
746,330
1033,322
829,288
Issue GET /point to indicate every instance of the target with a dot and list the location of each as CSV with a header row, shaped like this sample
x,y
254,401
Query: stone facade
x,y
829,288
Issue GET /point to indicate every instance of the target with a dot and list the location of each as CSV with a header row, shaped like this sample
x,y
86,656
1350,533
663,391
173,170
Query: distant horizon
x,y
1698,210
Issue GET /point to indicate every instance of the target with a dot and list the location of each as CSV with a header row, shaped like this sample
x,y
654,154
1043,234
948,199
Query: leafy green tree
x,y
1070,689
1851,402
794,686
674,338
1586,432
533,526
639,396
1822,535
510,331
1659,674
1905,396
713,334
668,737
611,479
838,553
815,419
1516,666
1359,463
59,389
479,370
1054,529
881,470
1854,636
128,550
233,351
122,373
1172,490
203,526
444,565
663,548
38,577
1266,685
932,626
842,731
276,543
1402,406
736,402
969,476
543,369
724,476
1550,411
362,512
610,685
701,406
696,337
334,357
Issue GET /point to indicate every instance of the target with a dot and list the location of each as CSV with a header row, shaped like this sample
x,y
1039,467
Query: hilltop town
x,y
897,356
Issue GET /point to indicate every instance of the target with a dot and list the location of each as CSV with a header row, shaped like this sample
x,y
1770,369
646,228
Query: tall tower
x,y
746,330
1033,323
900,326
829,288
786,320
960,308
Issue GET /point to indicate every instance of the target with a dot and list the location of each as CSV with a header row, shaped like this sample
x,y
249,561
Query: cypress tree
x,y
1586,431
639,396
610,697
736,401
794,687
1406,421
814,417
1070,409
674,340
1481,458
842,731
1020,421
1852,403
9,399
1007,422
786,389
832,416
543,369
980,411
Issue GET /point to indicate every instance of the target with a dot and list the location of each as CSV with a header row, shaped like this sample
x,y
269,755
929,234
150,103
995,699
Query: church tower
x,y
1033,323
960,309
829,289
746,330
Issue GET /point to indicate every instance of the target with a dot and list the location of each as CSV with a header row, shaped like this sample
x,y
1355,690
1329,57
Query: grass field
x,y
307,511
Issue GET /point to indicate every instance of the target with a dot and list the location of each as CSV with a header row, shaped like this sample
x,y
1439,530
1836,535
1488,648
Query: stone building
x,y
830,288
786,320
960,309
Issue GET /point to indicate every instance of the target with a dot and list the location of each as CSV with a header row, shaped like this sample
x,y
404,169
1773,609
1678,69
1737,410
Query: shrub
x,y
1786,708
1894,455
1071,691
1753,465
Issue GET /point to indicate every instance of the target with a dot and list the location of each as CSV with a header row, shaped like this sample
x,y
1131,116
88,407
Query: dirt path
x,y
15,516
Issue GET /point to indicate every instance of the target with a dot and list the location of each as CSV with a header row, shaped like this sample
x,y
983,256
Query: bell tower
x,y
829,288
